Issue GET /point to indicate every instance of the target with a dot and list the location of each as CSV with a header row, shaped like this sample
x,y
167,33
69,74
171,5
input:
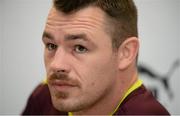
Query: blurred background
x,y
21,50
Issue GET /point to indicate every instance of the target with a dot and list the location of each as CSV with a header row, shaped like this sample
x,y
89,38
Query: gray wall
x,y
22,59
159,28
21,49
1,54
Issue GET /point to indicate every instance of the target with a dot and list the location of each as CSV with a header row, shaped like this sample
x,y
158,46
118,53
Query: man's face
x,y
80,62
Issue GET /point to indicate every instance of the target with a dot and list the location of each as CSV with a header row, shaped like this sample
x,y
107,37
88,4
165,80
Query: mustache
x,y
58,76
63,78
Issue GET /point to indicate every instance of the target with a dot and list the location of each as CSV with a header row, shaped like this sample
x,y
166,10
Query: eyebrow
x,y
68,37
81,36
47,35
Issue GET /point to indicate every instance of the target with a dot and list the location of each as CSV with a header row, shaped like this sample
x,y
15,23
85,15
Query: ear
x,y
127,52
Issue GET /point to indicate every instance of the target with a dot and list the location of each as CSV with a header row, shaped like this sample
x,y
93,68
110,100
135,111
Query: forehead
x,y
90,18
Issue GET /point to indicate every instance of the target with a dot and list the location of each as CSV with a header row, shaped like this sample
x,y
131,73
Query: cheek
x,y
99,74
47,61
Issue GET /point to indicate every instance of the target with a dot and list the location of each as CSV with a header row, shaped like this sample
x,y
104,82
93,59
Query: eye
x,y
51,46
80,49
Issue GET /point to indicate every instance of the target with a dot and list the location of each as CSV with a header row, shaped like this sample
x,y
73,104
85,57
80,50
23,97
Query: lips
x,y
60,85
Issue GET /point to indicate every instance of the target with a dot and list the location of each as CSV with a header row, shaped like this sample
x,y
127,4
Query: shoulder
x,y
141,101
41,90
39,102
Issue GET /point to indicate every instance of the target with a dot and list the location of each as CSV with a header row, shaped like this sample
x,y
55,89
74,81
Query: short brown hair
x,y
122,15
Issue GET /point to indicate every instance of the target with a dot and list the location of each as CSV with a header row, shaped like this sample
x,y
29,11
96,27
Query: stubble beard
x,y
62,101
85,100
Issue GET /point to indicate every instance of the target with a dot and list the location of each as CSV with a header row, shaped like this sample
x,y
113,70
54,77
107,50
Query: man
x,y
91,49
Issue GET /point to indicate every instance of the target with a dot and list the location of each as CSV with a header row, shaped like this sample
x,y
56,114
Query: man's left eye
x,y
80,49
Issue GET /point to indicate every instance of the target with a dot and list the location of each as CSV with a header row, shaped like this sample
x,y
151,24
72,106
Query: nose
x,y
60,62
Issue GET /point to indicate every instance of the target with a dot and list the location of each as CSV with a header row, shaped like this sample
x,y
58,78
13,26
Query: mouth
x,y
62,85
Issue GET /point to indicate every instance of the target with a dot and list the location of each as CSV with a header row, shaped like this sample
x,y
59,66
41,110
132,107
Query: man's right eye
x,y
51,46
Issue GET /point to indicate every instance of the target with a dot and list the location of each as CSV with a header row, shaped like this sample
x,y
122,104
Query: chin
x,y
71,104
65,105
